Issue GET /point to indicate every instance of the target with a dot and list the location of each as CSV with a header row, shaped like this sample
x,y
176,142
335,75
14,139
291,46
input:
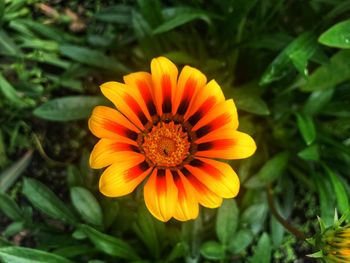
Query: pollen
x,y
166,145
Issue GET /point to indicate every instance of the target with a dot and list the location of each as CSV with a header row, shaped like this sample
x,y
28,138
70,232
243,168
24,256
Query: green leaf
x,y
4,242
143,32
262,252
310,153
9,207
273,168
119,14
318,254
151,11
277,232
2,10
300,57
213,250
150,231
306,127
7,46
39,44
326,198
317,101
10,93
86,205
337,109
337,36
110,209
339,191
227,221
242,239
109,245
46,201
190,233
46,31
11,174
68,108
93,58
74,250
13,229
180,17
331,74
179,250
250,103
28,255
254,216
299,51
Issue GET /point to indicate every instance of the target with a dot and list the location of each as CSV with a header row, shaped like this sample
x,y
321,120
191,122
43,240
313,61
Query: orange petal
x,y
190,81
123,177
206,98
107,152
160,194
164,76
143,82
205,196
109,123
128,101
221,115
226,144
219,177
187,204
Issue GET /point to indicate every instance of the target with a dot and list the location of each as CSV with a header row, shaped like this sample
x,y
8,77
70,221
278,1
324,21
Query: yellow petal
x,y
128,101
190,81
206,98
221,115
219,177
160,194
107,152
108,123
143,82
187,204
226,144
205,196
164,76
123,177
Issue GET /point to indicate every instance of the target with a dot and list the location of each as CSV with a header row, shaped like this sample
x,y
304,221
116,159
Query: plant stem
x,y
300,235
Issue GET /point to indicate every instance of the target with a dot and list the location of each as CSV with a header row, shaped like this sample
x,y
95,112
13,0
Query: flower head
x,y
336,244
167,128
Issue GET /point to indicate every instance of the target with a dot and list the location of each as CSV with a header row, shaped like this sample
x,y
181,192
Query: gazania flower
x,y
166,130
336,245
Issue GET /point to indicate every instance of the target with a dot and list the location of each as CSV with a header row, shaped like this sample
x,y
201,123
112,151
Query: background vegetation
x,y
286,64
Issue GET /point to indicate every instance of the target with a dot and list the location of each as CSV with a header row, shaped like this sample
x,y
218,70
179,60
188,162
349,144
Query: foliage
x,y
285,63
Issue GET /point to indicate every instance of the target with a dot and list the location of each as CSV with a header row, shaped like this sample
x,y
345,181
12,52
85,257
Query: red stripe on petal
x,y
206,106
217,145
161,182
189,90
147,96
135,171
166,90
209,169
119,129
124,147
136,108
214,124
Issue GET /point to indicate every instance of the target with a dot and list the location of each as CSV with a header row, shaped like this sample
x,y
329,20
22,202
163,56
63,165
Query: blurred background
x,y
285,63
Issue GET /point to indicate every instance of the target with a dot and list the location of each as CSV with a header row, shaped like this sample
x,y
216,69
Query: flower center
x,y
166,144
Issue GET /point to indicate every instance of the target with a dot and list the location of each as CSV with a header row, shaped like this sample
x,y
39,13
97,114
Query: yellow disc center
x,y
166,145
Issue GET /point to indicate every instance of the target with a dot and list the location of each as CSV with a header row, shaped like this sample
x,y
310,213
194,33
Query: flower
x,y
167,129
336,245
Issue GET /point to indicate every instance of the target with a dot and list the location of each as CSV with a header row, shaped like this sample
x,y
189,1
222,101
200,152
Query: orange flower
x,y
168,128
336,245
